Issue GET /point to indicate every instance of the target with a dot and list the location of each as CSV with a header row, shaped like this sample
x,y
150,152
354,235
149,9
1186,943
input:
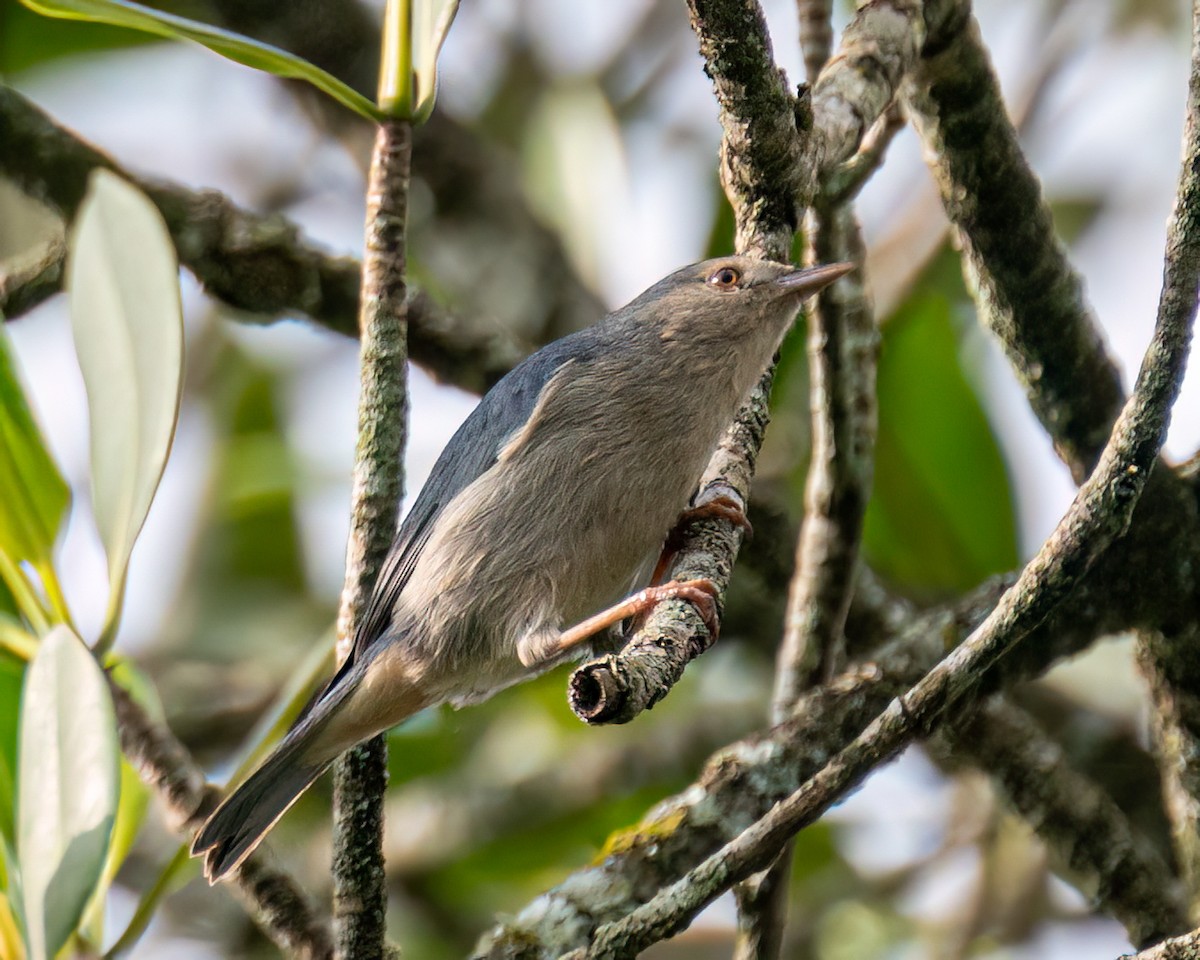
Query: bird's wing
x,y
470,453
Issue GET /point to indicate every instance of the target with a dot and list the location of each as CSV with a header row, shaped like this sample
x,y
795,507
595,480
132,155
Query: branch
x,y
360,775
763,165
842,346
1186,947
1028,293
259,265
1100,513
269,895
816,34
1076,819
1168,653
741,782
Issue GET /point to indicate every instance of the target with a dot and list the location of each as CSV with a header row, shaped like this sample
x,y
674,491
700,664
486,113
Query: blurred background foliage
x,y
570,163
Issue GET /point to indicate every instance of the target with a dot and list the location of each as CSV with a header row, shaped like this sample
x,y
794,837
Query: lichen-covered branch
x,y
763,167
816,34
1168,653
269,894
1028,293
1099,514
260,265
740,783
1076,819
360,776
878,48
1175,721
842,346
1186,947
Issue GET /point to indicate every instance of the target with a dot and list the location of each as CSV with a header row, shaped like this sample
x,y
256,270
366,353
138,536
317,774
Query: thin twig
x,y
843,342
816,34
262,266
269,895
843,183
360,895
1074,816
842,346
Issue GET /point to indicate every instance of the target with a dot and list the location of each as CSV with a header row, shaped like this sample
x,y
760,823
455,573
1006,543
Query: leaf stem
x,y
24,594
396,95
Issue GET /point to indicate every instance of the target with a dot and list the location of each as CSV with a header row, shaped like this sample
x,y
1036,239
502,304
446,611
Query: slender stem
x,y
360,897
148,904
58,603
19,642
816,34
270,896
23,593
396,64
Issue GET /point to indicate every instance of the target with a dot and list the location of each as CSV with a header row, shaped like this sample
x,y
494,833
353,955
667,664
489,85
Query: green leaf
x,y
123,282
941,515
12,676
28,40
33,492
67,788
134,796
431,24
243,50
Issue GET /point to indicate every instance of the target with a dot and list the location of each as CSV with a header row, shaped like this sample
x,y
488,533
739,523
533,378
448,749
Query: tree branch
x,y
268,894
1076,819
1029,295
740,783
1100,513
1186,947
260,265
360,776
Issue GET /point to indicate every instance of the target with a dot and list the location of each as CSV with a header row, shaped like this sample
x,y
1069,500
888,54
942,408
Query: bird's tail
x,y
238,825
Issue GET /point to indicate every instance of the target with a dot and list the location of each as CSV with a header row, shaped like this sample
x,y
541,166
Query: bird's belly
x,y
535,551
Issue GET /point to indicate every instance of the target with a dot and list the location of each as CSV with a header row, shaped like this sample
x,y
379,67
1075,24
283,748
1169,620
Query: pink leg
x,y
699,592
725,508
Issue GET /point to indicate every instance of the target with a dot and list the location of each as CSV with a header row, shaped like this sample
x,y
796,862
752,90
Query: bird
x,y
549,505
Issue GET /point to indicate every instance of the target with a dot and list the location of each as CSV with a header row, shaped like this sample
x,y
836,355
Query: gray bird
x,y
550,503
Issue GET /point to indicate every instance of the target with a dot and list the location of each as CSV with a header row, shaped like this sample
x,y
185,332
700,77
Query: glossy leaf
x,y
243,50
123,282
12,676
68,782
431,24
134,796
33,492
941,515
28,41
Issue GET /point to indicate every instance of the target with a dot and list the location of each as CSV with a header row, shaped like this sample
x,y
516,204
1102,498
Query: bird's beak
x,y
810,281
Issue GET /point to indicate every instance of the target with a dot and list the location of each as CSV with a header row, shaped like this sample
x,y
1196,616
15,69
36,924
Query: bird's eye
x,y
725,278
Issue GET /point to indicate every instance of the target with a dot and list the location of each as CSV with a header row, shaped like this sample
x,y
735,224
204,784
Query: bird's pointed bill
x,y
814,279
